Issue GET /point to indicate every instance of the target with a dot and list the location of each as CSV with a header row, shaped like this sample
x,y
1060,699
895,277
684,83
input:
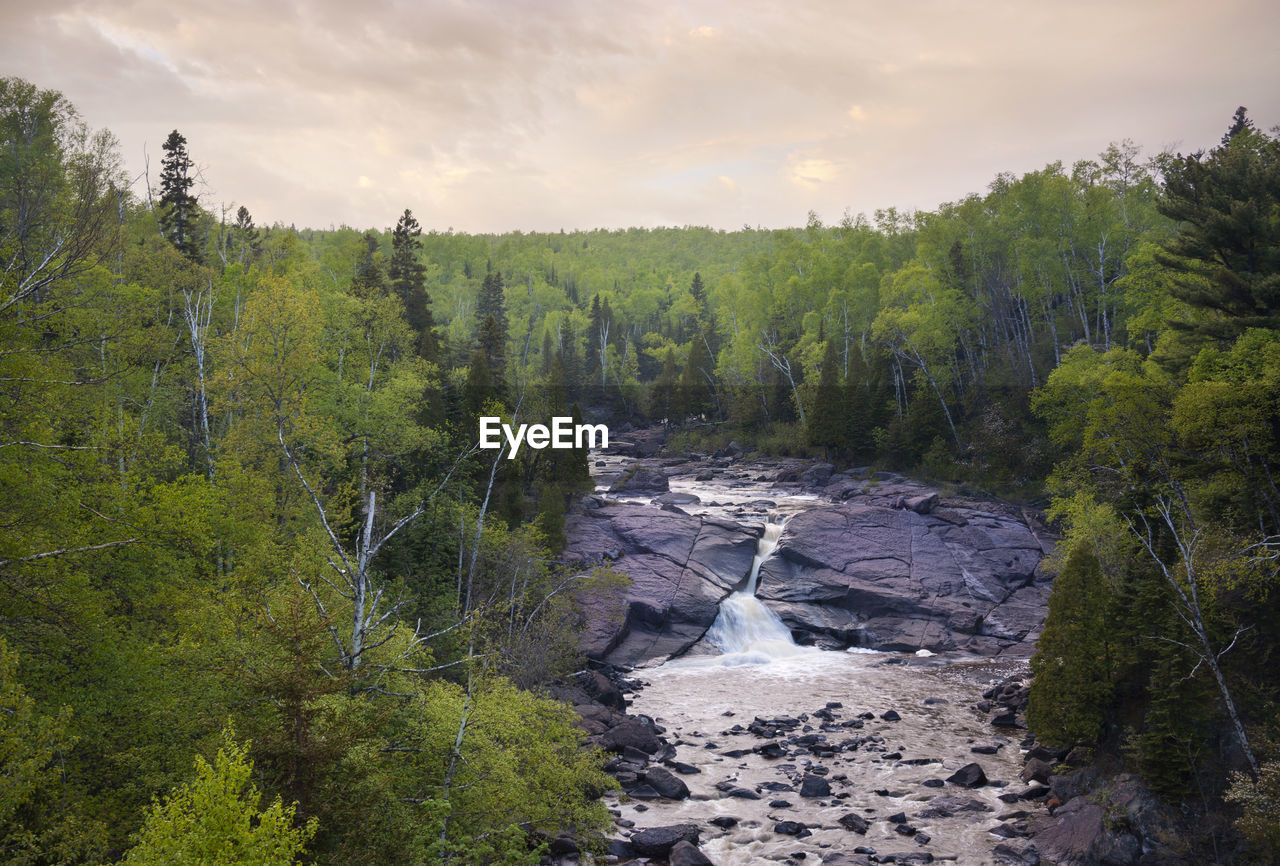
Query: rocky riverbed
x,y
878,718
868,560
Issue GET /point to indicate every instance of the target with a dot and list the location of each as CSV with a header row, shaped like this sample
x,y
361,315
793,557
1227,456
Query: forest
x,y
265,599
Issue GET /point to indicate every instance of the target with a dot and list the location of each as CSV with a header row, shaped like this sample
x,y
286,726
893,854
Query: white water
x,y
745,630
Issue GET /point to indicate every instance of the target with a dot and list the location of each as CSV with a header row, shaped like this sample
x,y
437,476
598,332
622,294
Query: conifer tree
x,y
408,278
178,208
1072,684
1227,250
826,421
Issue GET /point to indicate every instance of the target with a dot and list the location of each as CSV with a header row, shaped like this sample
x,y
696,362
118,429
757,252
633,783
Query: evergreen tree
x,y
1226,252
1072,669
408,277
695,397
491,330
826,421
663,400
178,208
247,237
370,279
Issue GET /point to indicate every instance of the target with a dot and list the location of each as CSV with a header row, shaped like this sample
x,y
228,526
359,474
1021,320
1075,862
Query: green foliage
x,y
216,819
1259,800
1072,668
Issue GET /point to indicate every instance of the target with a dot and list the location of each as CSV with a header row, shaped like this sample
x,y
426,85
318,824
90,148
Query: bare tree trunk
x,y
1190,612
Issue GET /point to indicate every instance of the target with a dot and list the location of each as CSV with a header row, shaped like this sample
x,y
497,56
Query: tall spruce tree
x,y
408,277
179,210
1226,252
826,421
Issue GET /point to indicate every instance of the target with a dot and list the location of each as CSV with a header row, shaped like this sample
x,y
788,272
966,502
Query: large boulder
x,y
679,568
898,579
658,841
641,479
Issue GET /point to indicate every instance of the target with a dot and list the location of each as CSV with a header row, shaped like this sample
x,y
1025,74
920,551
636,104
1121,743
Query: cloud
x,y
496,115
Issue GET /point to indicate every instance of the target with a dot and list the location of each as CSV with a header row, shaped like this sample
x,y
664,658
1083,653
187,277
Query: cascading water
x,y
745,630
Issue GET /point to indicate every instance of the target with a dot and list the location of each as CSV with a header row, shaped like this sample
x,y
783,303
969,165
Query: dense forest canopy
x,y
245,517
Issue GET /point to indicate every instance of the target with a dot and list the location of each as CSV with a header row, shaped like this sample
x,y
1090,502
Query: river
x,y
889,772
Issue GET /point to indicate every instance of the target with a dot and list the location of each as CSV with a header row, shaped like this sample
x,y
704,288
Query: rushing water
x,y
746,631
759,672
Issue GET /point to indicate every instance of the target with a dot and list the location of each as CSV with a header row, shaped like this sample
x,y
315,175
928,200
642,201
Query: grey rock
x,y
658,841
687,854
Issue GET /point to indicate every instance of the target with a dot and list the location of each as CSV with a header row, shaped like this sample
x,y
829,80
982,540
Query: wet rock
x,y
1016,852
658,841
893,579
814,786
854,823
687,854
641,479
685,769
779,804
789,828
968,776
985,750
680,567
724,822
666,784
949,806
620,848
631,733
891,716
1036,770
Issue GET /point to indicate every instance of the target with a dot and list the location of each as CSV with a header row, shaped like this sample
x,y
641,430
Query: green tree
x,y
1072,683
216,819
826,427
1227,248
179,210
408,278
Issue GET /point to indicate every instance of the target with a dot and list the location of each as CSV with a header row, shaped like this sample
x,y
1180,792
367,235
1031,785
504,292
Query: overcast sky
x,y
504,115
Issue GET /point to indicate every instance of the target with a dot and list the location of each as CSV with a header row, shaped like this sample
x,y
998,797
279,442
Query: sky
x,y
500,115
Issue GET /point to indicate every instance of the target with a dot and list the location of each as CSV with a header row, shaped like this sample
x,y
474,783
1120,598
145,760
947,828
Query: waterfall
x,y
745,630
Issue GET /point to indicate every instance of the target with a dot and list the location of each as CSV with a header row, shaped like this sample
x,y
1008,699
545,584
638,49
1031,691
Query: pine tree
x,y
695,396
826,421
491,330
408,277
1227,250
663,403
369,280
178,208
1073,679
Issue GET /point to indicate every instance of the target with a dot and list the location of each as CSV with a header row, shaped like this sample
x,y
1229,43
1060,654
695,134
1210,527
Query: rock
x,y
658,841
680,567
687,854
641,479
685,769
562,846
631,733
724,822
1036,770
789,828
854,823
968,776
1016,852
678,499
814,786
890,579
1081,832
891,716
948,806
620,848
666,784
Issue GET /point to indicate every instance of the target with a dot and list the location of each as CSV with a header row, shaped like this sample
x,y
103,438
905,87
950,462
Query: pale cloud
x,y
497,115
